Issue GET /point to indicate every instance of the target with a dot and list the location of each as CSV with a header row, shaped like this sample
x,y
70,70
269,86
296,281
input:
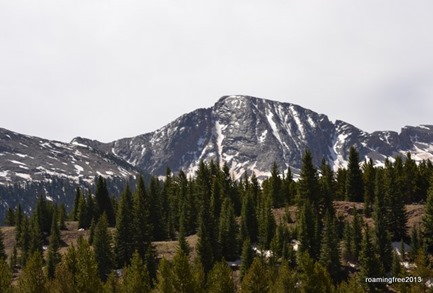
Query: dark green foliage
x,y
327,188
102,248
357,234
308,184
205,251
247,256
369,177
124,240
427,220
382,239
329,252
368,261
140,222
354,183
103,202
249,225
266,222
53,249
227,238
10,217
3,255
76,208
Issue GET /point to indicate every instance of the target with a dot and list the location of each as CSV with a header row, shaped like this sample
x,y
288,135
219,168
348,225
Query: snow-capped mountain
x,y
249,134
26,158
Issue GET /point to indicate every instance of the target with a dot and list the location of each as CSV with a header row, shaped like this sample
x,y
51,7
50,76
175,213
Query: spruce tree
x,y
102,248
369,176
85,270
382,239
141,226
136,277
247,257
5,277
124,241
249,225
227,237
257,278
32,278
103,202
183,279
53,248
427,220
329,252
76,208
3,255
220,279
354,184
285,281
369,264
308,184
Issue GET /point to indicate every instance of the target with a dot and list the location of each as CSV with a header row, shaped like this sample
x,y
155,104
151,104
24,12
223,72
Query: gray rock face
x,y
246,133
249,134
27,158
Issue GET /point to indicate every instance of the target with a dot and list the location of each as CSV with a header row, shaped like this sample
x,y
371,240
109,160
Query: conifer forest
x,y
279,234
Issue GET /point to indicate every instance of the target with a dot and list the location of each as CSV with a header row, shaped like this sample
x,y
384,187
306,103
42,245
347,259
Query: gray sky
x,y
112,69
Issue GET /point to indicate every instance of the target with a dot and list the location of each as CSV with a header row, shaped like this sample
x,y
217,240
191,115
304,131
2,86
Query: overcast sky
x,y
112,69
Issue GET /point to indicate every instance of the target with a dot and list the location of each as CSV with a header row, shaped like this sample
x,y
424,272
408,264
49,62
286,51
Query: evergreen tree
x,y
82,213
285,281
327,188
247,257
85,272
227,232
257,278
32,278
62,217
5,277
76,208
348,249
165,278
10,217
382,239
124,241
357,234
249,225
220,279
204,248
427,220
53,249
136,277
369,265
103,202
369,176
3,255
102,248
183,279
308,184
329,252
266,222
354,184
18,224
141,226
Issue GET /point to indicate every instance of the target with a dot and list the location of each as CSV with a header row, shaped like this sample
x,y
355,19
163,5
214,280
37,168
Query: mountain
x,y
26,158
249,134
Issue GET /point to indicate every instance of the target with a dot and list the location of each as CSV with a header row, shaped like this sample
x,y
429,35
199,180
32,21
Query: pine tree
x,y
5,277
382,239
141,226
327,188
357,234
183,279
3,255
32,278
76,208
62,217
247,257
266,222
227,237
329,252
308,184
85,273
249,225
354,184
103,202
10,217
82,213
427,220
165,277
369,176
369,265
53,249
124,241
136,277
102,248
205,252
220,279
285,281
257,278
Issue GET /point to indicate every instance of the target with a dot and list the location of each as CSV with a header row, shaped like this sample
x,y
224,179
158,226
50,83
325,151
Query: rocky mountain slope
x,y
249,134
246,133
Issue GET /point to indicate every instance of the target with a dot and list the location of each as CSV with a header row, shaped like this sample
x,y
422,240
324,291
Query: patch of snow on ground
x,y
21,155
219,139
263,136
109,173
298,121
25,176
273,125
49,198
79,168
16,162
79,144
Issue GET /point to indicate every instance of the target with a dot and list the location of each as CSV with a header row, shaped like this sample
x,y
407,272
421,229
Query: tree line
x,y
317,249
